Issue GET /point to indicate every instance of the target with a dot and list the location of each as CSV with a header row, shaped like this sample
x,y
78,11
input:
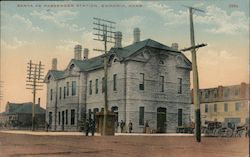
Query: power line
x,y
104,34
35,74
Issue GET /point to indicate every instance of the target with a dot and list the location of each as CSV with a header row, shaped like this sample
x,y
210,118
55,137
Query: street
x,y
26,145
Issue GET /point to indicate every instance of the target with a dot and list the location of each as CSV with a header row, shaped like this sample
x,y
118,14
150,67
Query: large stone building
x,y
225,104
146,81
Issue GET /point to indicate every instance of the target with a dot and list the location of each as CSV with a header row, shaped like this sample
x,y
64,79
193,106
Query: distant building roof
x,y
13,108
122,53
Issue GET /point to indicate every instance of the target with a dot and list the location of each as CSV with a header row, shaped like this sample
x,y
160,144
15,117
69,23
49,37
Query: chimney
x,y
118,39
175,46
54,64
136,35
38,101
243,89
78,52
85,54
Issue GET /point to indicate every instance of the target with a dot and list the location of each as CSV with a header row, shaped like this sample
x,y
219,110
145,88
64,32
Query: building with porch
x,y
147,81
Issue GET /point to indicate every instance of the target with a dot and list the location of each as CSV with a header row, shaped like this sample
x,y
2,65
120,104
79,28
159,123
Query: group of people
x,y
90,127
130,126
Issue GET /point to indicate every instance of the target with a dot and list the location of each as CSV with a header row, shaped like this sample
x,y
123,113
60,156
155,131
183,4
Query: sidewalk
x,y
50,133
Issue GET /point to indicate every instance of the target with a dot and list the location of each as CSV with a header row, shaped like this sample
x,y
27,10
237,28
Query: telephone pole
x,y
104,32
34,81
196,99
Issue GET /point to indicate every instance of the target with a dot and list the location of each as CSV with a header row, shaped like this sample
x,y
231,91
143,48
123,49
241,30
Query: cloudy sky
x,y
38,32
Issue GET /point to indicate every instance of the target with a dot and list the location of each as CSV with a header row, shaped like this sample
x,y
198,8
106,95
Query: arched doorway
x,y
161,119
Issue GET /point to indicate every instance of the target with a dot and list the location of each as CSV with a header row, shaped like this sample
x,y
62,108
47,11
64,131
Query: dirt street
x,y
18,145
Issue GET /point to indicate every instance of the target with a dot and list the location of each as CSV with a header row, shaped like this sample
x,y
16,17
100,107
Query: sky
x,y
38,31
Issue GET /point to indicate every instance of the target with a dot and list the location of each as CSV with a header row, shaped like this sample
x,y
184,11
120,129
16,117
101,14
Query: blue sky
x,y
42,33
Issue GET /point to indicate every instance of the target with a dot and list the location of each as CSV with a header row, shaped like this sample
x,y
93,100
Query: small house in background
x,y
19,116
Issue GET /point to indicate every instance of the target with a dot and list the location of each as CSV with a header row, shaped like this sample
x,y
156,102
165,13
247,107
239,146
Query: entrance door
x,y
114,109
161,119
63,120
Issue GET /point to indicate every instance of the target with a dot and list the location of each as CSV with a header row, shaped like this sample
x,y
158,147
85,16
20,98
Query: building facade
x,y
225,104
19,116
147,81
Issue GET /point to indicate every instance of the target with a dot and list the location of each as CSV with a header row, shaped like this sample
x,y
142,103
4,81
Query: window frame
x,y
73,90
179,85
142,82
114,82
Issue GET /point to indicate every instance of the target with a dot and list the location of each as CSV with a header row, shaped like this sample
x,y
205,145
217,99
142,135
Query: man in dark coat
x,y
87,127
92,127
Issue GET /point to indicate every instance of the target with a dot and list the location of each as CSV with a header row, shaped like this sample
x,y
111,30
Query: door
x,y
114,109
161,119
63,120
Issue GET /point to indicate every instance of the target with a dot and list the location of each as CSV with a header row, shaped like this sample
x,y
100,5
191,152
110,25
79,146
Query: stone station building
x,y
147,81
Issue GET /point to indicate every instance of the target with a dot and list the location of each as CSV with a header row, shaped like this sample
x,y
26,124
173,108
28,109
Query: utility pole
x,y
1,82
104,32
1,93
34,81
196,98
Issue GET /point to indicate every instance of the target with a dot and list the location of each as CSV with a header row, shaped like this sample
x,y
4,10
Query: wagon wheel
x,y
229,132
220,133
206,131
217,132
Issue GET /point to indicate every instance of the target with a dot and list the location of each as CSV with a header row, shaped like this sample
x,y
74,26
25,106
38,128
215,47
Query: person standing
x,y
92,127
87,127
122,125
130,126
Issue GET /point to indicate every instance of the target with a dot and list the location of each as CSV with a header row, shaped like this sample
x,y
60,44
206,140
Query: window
x,y
237,106
226,92
207,94
59,118
206,108
73,92
72,119
225,107
215,94
90,87
114,82
141,83
141,116
60,93
103,85
64,92
51,94
179,85
179,117
96,86
237,91
50,118
66,116
215,107
67,88
162,83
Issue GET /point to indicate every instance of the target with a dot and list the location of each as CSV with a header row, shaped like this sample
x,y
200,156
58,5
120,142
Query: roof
x,y
24,108
122,53
131,49
57,73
